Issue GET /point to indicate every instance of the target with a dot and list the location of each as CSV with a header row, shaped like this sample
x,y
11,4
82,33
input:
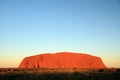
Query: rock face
x,y
62,60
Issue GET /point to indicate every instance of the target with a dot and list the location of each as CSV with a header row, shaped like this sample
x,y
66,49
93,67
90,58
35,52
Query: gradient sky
x,y
30,27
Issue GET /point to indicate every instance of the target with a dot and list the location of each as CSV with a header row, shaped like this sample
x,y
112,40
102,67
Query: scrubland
x,y
59,74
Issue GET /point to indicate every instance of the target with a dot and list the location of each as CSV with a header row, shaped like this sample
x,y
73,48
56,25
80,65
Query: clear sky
x,y
30,27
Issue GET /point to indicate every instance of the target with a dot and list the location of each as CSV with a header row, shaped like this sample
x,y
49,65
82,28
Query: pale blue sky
x,y
30,27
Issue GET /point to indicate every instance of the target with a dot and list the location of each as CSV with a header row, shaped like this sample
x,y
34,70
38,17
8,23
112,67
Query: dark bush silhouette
x,y
100,70
118,70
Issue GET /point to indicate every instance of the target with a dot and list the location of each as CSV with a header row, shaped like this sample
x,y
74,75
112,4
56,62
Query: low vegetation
x,y
59,74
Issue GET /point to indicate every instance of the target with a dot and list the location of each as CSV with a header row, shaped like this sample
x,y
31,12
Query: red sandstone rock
x,y
62,60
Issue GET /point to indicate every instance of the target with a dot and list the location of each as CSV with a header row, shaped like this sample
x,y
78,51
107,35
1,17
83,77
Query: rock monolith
x,y
62,60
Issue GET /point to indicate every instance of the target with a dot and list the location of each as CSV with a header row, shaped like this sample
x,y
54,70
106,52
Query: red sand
x,y
62,60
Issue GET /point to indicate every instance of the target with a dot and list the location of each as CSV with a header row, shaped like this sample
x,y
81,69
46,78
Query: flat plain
x,y
59,74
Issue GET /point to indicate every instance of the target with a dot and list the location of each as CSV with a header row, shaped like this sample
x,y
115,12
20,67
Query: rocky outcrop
x,y
62,60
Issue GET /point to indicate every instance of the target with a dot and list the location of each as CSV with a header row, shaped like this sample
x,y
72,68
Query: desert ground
x,y
59,74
